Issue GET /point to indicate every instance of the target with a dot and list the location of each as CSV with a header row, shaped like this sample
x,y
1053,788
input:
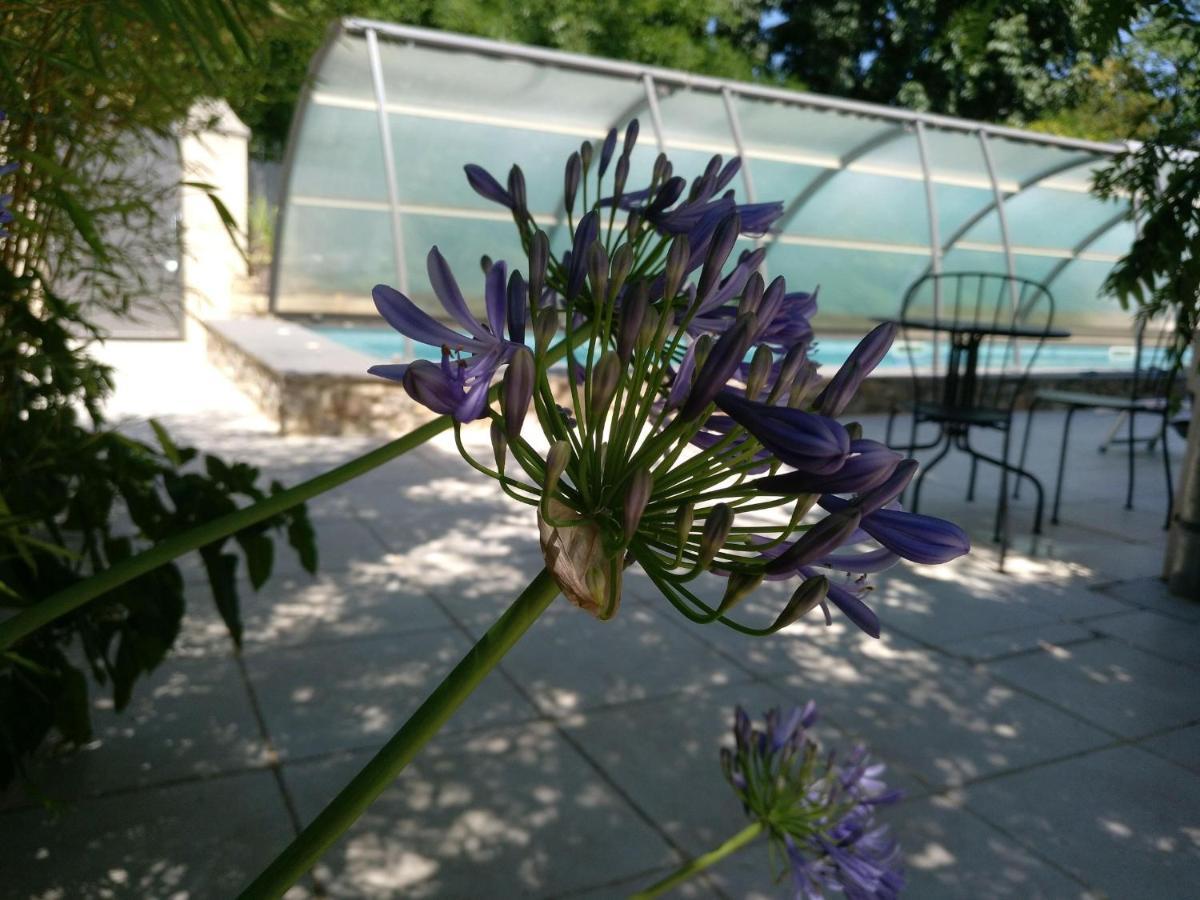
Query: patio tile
x,y
1006,643
1117,687
1156,633
1181,746
1122,820
571,661
515,809
200,839
188,718
1152,593
366,601
950,854
353,694
944,721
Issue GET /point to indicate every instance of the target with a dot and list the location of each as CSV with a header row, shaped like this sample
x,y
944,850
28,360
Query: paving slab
x,y
201,839
1116,687
515,810
1020,640
189,718
1121,820
1156,633
1152,593
1181,746
353,694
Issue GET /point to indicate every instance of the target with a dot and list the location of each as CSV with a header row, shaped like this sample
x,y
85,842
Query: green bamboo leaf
x,y
83,222
168,446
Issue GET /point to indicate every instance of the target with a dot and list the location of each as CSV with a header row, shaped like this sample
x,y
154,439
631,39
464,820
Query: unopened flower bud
x,y
622,263
752,293
855,430
516,187
485,263
660,173
545,327
738,588
556,462
810,594
633,312
711,376
499,446
605,378
819,541
585,155
683,527
516,391
716,530
607,149
649,328
620,175
597,265
795,358
631,136
518,307
539,255
641,485
571,181
760,368
718,252
677,260
633,224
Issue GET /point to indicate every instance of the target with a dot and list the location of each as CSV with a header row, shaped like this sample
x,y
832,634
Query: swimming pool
x,y
385,345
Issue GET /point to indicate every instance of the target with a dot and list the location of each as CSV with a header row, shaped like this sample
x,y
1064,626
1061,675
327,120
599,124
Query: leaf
x,y
302,538
260,556
168,446
222,578
72,714
83,222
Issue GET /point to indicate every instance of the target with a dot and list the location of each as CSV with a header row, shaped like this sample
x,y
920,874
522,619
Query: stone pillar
x,y
214,151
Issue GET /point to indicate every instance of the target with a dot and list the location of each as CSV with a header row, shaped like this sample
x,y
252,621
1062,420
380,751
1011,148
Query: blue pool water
x,y
386,345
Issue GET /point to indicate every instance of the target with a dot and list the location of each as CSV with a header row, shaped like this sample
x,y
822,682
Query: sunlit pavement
x,y
1044,722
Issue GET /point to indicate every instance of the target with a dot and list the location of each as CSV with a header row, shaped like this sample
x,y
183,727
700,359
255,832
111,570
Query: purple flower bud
x,y
820,540
633,311
486,186
760,368
622,263
717,525
545,327
921,539
517,391
620,175
797,356
871,464
718,252
803,440
516,189
641,486
862,361
726,355
670,191
585,154
605,378
518,307
662,169
606,150
676,268
486,263
810,594
726,175
585,235
597,266
883,494
631,136
539,256
752,294
571,181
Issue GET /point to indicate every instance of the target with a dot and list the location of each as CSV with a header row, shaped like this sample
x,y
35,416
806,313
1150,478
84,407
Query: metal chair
x,y
1150,395
994,326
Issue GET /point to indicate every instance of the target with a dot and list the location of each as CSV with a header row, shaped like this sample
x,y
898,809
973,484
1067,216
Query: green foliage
x,y
92,92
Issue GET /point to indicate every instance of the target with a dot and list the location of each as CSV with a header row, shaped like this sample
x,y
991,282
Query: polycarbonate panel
x,y
862,232
461,84
331,258
1081,305
338,155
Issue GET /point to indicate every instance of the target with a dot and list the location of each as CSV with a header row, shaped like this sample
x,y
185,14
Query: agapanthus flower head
x,y
818,809
688,434
6,215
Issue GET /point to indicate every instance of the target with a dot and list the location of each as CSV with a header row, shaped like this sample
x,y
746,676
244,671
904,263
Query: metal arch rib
x,y
1022,186
889,134
1091,238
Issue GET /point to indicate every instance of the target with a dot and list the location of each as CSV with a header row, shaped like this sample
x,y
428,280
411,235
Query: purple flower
x,y
806,441
862,362
488,187
458,385
918,538
869,465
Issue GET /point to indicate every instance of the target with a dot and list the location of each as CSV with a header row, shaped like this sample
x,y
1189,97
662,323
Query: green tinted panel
x,y
339,155
332,258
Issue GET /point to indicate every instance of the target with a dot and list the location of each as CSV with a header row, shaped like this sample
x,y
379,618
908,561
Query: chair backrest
x,y
1005,317
1154,361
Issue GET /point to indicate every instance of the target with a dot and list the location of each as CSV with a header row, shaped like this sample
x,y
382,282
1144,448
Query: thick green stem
x,y
700,863
389,762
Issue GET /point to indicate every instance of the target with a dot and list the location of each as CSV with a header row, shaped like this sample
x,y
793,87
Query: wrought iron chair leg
x,y
1001,529
891,420
925,470
1062,461
1167,469
1025,445
1129,481
971,481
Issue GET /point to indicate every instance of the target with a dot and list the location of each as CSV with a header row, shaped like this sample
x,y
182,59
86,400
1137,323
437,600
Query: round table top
x,y
1001,329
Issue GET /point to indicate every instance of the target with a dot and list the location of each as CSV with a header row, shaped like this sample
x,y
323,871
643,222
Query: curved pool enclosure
x,y
874,197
